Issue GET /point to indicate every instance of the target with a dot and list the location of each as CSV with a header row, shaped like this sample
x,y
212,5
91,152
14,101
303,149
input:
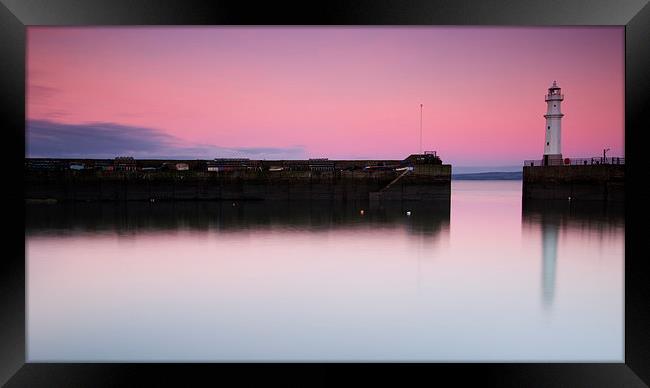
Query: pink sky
x,y
335,92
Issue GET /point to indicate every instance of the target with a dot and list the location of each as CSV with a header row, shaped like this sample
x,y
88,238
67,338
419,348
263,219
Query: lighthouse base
x,y
552,160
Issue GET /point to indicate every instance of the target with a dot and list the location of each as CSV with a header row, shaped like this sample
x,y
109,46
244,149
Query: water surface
x,y
483,278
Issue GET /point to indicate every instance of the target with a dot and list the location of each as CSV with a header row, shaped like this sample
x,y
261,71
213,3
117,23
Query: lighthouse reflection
x,y
549,259
555,221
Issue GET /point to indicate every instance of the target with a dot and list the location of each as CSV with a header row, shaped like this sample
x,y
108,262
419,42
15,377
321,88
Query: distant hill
x,y
457,169
482,176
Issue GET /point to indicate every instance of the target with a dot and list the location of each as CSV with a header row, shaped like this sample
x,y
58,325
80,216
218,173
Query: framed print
x,y
372,188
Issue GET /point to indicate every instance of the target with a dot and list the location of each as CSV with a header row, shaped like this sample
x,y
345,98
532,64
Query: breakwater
x,y
426,182
600,182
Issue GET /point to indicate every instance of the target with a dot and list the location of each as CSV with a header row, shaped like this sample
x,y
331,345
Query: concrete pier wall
x,y
303,185
582,183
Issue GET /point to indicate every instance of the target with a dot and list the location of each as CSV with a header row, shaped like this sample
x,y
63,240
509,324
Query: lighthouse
x,y
553,142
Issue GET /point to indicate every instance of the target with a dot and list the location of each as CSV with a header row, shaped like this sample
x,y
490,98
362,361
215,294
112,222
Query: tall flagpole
x,y
420,128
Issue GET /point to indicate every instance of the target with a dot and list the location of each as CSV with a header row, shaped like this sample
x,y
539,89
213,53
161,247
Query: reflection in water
x,y
428,217
549,257
553,216
325,281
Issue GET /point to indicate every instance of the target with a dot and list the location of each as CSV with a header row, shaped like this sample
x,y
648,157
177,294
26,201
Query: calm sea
x,y
483,277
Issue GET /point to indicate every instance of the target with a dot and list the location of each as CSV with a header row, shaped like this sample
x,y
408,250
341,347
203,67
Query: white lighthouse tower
x,y
553,143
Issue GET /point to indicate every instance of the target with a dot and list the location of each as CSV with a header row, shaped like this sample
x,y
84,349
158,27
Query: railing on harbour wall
x,y
576,161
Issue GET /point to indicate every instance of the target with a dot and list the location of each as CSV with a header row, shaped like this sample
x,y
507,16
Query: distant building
x,y
428,157
77,166
321,164
124,163
230,164
179,166
104,165
44,165
212,166
297,165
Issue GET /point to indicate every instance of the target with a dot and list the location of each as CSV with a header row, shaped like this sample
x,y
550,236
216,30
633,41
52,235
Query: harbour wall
x,y
579,182
426,183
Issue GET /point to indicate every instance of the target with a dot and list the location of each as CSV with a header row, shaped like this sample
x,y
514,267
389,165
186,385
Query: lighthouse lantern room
x,y
553,142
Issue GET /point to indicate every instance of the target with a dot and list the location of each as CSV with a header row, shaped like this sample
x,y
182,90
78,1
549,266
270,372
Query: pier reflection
x,y
418,217
580,221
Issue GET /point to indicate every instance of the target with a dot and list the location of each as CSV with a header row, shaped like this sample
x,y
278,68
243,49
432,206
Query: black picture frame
x,y
15,15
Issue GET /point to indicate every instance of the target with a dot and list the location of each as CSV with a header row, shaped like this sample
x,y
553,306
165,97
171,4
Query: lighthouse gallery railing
x,y
577,161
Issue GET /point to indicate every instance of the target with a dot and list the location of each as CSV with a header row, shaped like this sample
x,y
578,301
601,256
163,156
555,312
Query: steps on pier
x,y
394,181
376,196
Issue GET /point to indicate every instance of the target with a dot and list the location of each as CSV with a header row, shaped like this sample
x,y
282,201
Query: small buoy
x,y
408,213
569,198
361,212
233,204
